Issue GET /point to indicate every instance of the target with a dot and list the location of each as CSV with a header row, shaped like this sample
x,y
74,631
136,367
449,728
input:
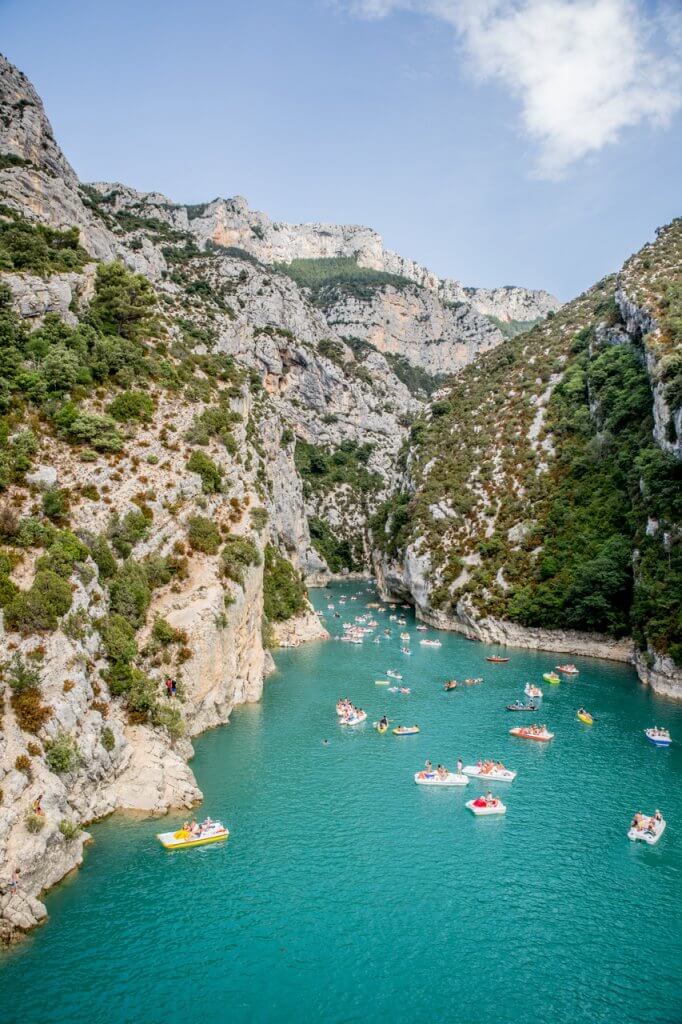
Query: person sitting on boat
x,y
657,815
460,765
442,771
194,829
383,721
428,768
206,823
490,800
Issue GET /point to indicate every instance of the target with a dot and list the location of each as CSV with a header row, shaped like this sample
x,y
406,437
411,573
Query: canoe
x,y
497,808
433,779
585,717
647,837
180,840
542,737
658,741
475,772
406,730
497,661
551,677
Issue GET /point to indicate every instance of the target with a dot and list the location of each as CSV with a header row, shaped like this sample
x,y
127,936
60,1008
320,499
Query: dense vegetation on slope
x,y
542,496
327,277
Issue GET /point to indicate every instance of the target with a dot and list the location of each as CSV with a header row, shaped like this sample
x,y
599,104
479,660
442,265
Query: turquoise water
x,y
346,893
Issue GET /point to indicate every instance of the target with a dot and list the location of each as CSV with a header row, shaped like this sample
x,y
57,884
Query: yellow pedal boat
x,y
180,840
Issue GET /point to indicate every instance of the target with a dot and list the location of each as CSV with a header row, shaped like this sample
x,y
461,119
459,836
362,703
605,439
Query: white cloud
x,y
581,70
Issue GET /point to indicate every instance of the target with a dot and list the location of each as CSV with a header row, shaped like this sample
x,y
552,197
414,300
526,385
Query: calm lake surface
x,y
347,893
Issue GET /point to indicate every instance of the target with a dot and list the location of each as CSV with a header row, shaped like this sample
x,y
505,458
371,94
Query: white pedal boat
x,y
430,643
659,737
497,808
393,675
474,772
354,719
651,838
181,839
433,779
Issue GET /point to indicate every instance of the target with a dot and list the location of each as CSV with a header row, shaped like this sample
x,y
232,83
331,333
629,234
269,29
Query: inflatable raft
x,y
434,779
495,776
180,840
646,836
406,730
480,807
551,677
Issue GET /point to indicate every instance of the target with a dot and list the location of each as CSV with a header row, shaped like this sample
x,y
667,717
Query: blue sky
x,y
478,147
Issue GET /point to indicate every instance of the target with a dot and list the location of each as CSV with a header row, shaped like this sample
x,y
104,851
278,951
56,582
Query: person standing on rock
x,y
174,687
14,883
169,686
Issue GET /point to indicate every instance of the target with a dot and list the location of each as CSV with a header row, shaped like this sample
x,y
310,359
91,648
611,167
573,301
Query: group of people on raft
x,y
535,730
347,711
641,823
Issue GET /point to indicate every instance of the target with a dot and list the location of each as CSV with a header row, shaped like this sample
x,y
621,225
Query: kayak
x,y
658,741
551,677
585,717
497,776
381,729
381,682
406,730
541,737
433,779
647,836
180,840
354,719
480,807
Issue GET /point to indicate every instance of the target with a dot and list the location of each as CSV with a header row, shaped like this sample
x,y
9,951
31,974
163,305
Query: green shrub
x,y
237,555
203,535
103,557
211,474
38,249
130,594
164,634
131,406
168,717
80,427
283,589
118,638
259,518
20,675
125,533
124,303
41,607
55,503
69,829
34,822
62,754
64,552
328,278
108,739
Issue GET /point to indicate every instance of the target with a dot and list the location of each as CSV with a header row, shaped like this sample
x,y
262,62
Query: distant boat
x,y
497,661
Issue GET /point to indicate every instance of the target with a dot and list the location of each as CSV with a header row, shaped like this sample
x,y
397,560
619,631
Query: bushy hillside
x,y
541,495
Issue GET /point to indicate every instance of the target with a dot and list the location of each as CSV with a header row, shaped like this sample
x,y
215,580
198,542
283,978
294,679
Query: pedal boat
x,y
180,840
480,807
643,834
434,779
474,772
